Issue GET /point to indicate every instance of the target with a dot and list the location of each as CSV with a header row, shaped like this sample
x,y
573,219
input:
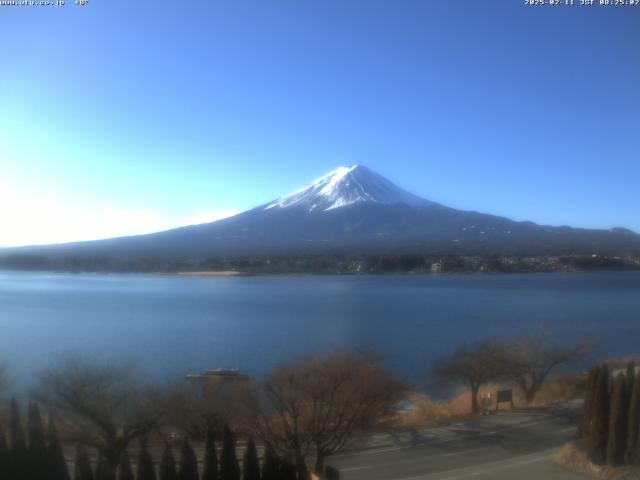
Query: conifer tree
x,y
146,469
18,458
599,429
56,462
270,470
229,468
38,457
125,472
618,423
4,455
288,471
83,465
210,468
630,375
631,455
587,406
250,464
188,462
168,465
104,471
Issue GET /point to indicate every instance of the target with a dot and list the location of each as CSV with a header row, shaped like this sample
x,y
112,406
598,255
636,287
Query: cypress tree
x,y
270,469
146,470
631,455
599,429
18,457
618,423
229,468
587,406
125,472
631,376
57,464
38,458
210,468
188,462
250,464
104,471
288,471
4,455
168,465
83,465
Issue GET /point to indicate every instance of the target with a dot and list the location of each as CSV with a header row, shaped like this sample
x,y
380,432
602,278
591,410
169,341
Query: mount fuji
x,y
348,186
351,210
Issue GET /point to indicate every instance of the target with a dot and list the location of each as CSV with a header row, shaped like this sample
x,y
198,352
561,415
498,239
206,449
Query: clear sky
x,y
130,116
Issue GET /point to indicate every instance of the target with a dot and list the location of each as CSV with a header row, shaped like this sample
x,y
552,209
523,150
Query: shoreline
x,y
209,273
235,273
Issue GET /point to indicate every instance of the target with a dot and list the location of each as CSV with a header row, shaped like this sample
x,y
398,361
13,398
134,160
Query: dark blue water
x,y
172,324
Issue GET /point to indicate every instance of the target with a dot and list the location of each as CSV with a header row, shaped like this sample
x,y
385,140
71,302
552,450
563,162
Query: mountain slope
x,y
352,210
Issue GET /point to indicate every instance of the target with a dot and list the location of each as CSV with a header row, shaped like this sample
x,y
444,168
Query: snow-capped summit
x,y
346,186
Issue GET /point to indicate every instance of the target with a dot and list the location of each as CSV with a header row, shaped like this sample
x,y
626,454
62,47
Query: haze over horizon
x,y
121,119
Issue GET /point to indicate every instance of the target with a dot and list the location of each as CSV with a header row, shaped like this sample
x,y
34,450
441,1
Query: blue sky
x,y
123,117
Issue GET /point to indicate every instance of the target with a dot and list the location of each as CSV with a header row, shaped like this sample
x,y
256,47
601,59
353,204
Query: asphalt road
x,y
515,444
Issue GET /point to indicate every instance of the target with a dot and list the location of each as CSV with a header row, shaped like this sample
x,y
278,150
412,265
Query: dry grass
x,y
572,458
559,389
223,273
428,410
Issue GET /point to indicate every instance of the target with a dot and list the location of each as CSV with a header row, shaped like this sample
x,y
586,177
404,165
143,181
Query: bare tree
x,y
104,404
473,366
318,406
192,412
529,361
202,407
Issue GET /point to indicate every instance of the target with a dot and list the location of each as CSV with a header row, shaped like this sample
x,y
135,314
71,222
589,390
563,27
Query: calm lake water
x,y
171,325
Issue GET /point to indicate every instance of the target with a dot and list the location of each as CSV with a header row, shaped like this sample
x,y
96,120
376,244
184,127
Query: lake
x,y
171,325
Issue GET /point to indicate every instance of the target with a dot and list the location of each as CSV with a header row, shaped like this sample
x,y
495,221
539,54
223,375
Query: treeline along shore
x,y
329,264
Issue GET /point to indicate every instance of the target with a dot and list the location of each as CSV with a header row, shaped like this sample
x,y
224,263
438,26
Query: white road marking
x,y
373,451
355,469
410,460
454,454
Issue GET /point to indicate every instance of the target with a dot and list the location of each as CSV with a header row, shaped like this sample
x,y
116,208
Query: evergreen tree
x,y
210,468
146,470
104,471
83,465
57,464
4,455
38,458
631,455
587,406
631,376
288,471
125,472
229,468
250,464
599,429
270,470
168,465
188,462
618,423
18,457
